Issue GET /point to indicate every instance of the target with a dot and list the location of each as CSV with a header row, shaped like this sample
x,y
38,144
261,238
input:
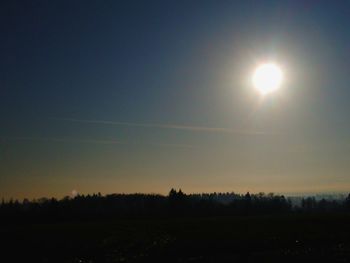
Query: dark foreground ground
x,y
280,238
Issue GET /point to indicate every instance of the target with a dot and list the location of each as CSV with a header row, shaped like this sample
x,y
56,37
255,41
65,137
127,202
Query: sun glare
x,y
267,78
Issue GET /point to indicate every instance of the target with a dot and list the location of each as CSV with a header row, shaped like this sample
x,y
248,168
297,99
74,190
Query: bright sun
x,y
267,78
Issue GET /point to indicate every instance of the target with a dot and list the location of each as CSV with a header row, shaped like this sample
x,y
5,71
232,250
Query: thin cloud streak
x,y
106,142
167,126
46,139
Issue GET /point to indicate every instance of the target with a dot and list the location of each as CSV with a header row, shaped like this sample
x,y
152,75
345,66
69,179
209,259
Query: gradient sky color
x,y
142,96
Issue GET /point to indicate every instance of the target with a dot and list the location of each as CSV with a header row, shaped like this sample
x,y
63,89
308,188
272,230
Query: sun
x,y
267,78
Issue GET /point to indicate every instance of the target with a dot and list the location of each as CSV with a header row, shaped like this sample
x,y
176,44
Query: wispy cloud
x,y
167,126
89,141
52,139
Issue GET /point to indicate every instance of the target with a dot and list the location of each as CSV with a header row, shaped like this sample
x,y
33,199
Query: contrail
x,y
107,142
44,139
166,126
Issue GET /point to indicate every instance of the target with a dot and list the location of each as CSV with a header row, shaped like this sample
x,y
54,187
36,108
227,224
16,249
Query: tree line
x,y
175,204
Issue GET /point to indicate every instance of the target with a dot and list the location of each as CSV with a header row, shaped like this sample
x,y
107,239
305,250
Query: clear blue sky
x,y
142,96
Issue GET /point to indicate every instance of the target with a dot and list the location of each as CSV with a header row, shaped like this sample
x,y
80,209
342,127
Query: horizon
x,y
287,195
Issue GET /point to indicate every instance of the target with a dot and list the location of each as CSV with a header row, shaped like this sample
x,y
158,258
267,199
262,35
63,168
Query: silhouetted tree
x,y
177,203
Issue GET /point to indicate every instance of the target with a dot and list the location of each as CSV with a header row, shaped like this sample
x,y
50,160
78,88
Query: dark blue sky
x,y
174,78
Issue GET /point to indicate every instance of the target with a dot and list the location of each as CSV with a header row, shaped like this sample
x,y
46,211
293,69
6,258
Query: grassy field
x,y
282,238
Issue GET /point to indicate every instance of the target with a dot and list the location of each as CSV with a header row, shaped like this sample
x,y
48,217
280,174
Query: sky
x,y
143,96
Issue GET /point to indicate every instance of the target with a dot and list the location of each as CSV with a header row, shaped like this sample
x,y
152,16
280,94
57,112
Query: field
x,y
279,238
